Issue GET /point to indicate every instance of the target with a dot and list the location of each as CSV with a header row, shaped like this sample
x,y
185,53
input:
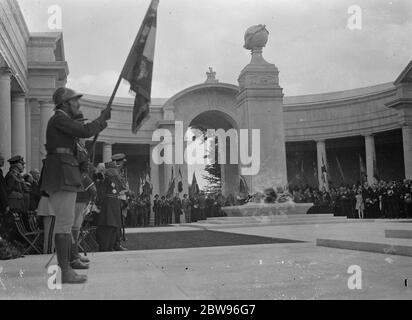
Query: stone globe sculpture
x,y
256,37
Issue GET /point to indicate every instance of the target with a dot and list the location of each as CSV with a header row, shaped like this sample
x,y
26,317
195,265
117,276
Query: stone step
x,y
284,216
263,220
206,226
385,246
399,234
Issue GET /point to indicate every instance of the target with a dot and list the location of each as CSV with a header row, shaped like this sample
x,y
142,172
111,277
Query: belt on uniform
x,y
112,196
61,151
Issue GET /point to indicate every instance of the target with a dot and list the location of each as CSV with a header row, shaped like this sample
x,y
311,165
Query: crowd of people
x,y
390,200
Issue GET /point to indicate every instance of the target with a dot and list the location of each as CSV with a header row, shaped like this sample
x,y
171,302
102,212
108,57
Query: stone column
x,y
46,112
370,158
154,177
29,165
407,150
18,125
260,100
107,152
5,115
322,161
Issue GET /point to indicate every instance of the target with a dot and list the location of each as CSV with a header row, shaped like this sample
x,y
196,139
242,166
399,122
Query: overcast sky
x,y
309,41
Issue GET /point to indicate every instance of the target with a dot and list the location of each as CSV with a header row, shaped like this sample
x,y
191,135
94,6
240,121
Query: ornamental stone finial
x,y
256,37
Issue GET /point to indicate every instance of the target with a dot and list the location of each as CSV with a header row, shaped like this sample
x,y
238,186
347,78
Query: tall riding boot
x,y
75,255
63,244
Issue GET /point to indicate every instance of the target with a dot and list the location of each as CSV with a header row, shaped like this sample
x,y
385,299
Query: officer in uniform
x,y
109,219
17,190
120,160
156,209
61,174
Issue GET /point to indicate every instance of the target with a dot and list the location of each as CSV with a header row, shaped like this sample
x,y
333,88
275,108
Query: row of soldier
x,y
173,209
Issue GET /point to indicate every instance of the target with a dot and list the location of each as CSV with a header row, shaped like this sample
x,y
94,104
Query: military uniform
x,y
157,209
109,219
17,191
61,177
120,160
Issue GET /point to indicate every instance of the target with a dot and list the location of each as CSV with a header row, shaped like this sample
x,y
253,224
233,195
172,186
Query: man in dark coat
x,y
109,220
16,186
157,209
61,174
120,160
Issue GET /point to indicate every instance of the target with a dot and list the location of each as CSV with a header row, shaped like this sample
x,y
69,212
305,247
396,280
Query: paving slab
x,y
281,271
264,271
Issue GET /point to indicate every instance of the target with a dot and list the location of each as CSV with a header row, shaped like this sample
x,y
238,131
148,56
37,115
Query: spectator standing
x,y
359,203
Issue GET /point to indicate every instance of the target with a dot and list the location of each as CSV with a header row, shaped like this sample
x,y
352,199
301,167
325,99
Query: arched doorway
x,y
228,172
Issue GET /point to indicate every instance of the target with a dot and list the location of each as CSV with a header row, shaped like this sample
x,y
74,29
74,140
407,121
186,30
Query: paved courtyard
x,y
264,271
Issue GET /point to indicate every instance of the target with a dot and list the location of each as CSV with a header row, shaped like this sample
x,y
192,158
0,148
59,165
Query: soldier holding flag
x,y
61,174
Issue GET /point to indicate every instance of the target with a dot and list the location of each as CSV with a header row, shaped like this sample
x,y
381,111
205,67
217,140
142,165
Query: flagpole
x,y
109,106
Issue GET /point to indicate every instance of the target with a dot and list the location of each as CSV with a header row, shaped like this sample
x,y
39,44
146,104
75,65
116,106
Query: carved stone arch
x,y
191,102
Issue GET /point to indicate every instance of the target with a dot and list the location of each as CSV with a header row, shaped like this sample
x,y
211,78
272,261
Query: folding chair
x,y
87,241
31,237
87,236
32,218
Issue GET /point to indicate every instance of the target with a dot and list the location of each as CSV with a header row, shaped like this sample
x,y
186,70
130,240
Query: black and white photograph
x,y
205,155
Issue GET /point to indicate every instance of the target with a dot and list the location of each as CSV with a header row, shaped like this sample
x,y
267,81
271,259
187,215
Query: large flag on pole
x,y
138,69
180,182
172,183
194,187
340,169
147,187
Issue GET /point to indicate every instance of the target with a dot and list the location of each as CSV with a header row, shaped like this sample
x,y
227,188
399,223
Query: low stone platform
x,y
267,209
388,241
400,234
271,220
379,247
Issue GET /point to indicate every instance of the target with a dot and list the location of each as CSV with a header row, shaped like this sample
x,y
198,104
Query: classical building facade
x,y
353,134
